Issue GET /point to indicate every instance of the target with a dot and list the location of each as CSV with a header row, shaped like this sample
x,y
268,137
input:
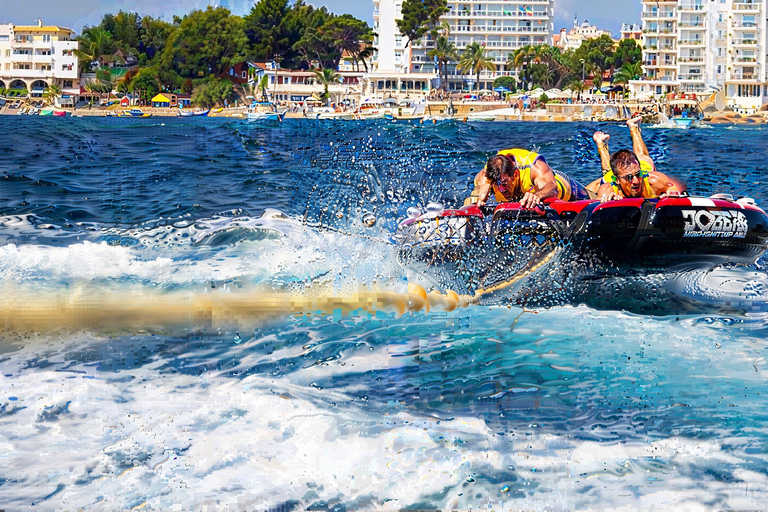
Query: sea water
x,y
115,393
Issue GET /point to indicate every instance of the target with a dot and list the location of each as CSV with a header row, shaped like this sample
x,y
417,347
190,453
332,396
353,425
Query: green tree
x,y
51,93
365,53
473,60
444,52
597,54
506,81
153,35
124,27
206,43
263,87
92,44
628,52
629,71
267,30
346,33
213,92
312,48
326,77
145,83
419,17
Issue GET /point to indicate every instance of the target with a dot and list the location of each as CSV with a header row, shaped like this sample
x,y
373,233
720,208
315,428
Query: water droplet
x,y
470,479
237,338
369,220
505,488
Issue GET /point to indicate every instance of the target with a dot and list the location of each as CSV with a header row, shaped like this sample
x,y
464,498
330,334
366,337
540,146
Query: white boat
x,y
265,116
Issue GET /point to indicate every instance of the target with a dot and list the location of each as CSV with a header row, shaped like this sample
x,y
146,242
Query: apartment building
x,y
502,26
36,56
700,46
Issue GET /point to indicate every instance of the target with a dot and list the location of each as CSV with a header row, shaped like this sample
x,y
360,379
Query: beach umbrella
x,y
501,88
250,98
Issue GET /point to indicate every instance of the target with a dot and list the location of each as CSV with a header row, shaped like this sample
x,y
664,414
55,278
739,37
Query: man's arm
x,y
638,144
605,193
601,139
482,190
543,178
662,184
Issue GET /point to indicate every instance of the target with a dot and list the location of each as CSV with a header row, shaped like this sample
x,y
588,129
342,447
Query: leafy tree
x,y
629,71
346,33
51,93
473,60
326,77
153,35
312,46
443,52
124,28
93,43
267,29
205,43
145,83
628,52
365,53
419,17
263,87
506,81
597,54
213,92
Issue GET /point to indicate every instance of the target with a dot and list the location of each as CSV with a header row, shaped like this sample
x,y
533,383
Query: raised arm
x,y
601,139
638,144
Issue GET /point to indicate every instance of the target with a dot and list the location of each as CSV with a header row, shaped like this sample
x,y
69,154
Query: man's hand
x,y
601,137
530,200
635,122
611,196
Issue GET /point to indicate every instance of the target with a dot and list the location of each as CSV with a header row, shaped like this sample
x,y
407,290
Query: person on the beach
x,y
524,176
630,173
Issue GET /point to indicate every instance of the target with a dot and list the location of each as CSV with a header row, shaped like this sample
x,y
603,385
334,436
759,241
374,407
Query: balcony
x,y
689,42
691,7
667,64
691,25
739,25
743,76
658,15
746,6
691,77
510,14
21,57
744,61
745,42
683,60
667,48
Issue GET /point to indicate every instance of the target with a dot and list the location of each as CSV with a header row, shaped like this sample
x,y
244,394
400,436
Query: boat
x,y
192,113
60,113
473,250
47,111
134,112
684,113
256,115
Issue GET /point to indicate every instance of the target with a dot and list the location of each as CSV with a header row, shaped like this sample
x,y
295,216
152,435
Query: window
x,y
245,74
719,69
67,83
46,38
720,18
4,38
398,41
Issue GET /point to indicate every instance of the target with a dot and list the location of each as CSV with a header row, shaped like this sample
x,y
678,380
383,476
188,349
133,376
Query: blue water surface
x,y
650,397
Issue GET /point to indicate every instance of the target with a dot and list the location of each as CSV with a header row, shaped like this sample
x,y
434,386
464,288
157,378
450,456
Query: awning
x,y
160,99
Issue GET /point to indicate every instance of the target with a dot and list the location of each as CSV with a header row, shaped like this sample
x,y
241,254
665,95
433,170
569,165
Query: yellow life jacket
x,y
647,191
567,188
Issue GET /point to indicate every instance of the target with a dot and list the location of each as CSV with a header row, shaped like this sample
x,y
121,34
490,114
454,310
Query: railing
x,y
744,76
690,59
690,76
21,57
744,24
496,28
649,62
659,31
746,59
691,7
746,6
497,14
658,14
667,48
691,24
689,42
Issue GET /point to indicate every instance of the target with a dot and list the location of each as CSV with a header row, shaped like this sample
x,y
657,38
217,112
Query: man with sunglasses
x,y
631,174
524,176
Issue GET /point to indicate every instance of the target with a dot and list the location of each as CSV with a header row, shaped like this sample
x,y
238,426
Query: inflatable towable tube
x,y
642,234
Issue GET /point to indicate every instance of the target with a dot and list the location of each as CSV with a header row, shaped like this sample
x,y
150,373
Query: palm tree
x,y
473,60
92,44
444,52
629,71
51,93
326,76
365,53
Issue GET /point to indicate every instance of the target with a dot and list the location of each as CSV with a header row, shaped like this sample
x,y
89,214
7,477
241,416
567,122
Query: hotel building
x,y
501,26
700,46
35,57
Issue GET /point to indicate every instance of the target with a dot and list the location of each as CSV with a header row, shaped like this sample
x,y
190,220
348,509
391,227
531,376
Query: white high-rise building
x,y
700,46
35,57
502,26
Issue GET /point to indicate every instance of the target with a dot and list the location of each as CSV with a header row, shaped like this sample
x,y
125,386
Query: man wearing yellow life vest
x,y
524,176
631,173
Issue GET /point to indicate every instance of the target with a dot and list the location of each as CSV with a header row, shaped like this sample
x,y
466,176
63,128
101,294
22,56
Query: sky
x,y
606,14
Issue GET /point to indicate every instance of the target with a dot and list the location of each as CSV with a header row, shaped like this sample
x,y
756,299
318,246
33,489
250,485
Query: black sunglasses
x,y
629,177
